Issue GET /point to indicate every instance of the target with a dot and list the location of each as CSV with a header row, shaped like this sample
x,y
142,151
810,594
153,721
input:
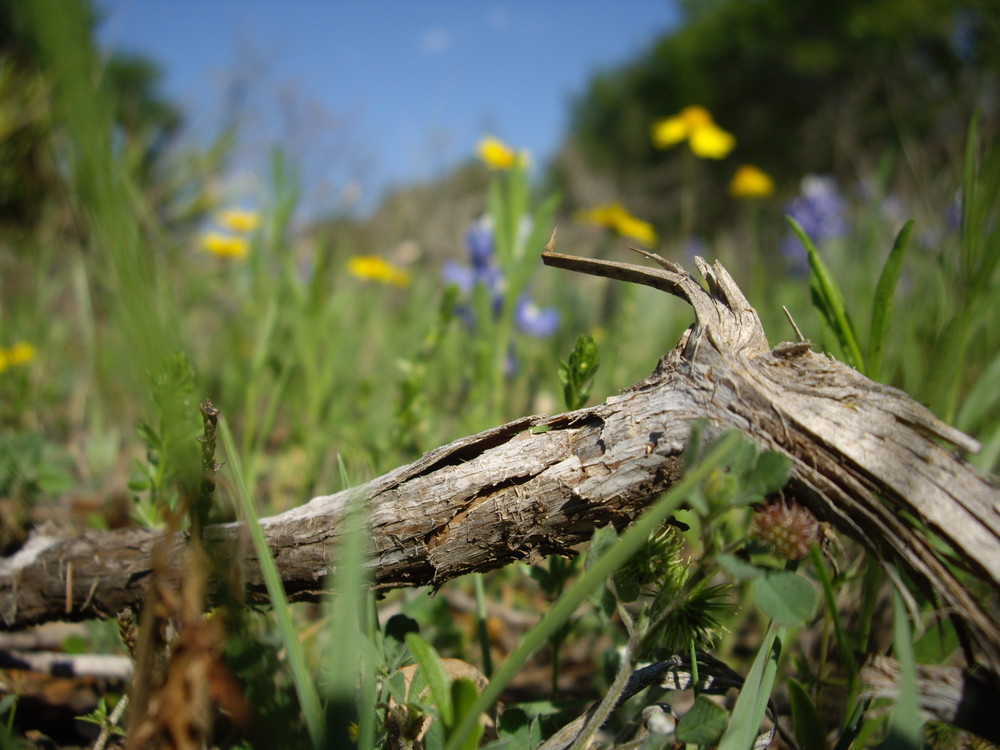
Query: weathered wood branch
x,y
865,457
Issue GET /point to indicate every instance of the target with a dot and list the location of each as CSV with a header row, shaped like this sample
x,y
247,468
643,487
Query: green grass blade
x,y
304,686
105,192
946,369
844,648
980,232
751,704
988,458
884,293
905,729
809,728
6,740
463,698
437,678
830,300
481,626
529,260
348,655
982,399
594,576
367,717
516,183
970,288
969,189
499,208
853,726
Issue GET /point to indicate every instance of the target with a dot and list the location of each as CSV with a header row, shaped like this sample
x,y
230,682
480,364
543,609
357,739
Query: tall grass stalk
x,y
973,288
109,203
906,725
305,688
349,660
107,196
756,692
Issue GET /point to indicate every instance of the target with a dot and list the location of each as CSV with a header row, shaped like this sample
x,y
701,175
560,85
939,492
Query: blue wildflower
x,y
483,271
466,278
534,320
821,211
479,241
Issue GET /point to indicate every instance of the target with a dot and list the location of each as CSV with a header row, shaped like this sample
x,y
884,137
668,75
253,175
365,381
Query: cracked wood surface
x,y
865,456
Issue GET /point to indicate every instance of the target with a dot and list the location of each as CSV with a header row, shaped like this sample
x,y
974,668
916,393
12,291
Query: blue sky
x,y
369,94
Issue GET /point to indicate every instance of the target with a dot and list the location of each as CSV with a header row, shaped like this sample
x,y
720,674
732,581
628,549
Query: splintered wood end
x,y
550,245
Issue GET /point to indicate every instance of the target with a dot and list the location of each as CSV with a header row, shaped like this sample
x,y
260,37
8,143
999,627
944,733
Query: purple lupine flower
x,y
820,209
461,276
482,270
479,242
534,320
821,212
467,277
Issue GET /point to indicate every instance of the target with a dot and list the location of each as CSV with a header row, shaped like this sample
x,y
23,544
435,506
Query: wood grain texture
x,y
866,457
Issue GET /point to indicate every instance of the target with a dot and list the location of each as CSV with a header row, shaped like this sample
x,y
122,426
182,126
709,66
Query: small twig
x,y
658,260
206,489
598,715
791,321
108,728
669,281
69,587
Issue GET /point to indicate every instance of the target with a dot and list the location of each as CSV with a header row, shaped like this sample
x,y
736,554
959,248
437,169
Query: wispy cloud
x,y
434,41
498,17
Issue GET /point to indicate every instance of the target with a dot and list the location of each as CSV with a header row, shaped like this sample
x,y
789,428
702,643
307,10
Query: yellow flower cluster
x,y
615,217
19,354
695,125
496,154
238,220
751,182
374,268
233,243
225,245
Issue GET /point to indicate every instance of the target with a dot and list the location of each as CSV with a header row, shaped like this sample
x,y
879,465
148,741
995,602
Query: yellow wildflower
x,y
225,245
711,142
376,269
751,182
615,217
695,125
673,130
496,154
238,220
19,354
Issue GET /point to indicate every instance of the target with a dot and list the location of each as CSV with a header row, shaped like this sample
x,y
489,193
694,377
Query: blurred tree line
x,y
145,127
804,85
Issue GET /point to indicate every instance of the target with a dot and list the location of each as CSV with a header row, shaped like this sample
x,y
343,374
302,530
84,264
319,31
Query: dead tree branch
x,y
878,465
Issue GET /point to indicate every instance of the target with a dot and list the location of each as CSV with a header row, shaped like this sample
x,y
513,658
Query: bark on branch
x,y
865,456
